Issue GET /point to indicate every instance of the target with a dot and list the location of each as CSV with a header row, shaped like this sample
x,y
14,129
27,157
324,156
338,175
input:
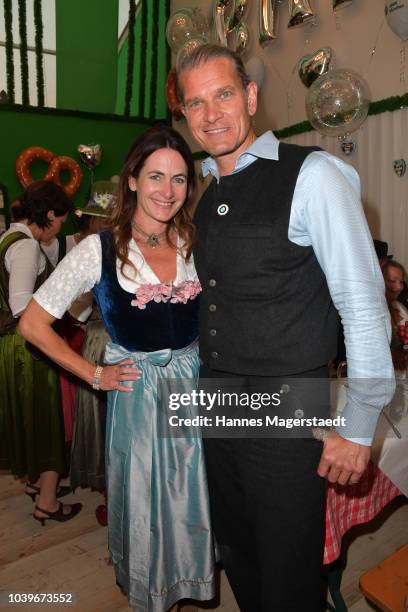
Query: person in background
x,y
88,443
90,219
282,247
145,284
31,420
394,275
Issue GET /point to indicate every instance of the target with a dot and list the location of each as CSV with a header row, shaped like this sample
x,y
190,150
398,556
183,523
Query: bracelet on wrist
x,y
96,380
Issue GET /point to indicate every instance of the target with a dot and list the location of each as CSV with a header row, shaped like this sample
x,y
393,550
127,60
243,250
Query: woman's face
x,y
161,188
393,278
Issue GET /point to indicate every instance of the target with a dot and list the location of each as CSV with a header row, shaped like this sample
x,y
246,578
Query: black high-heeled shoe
x,y
58,515
61,491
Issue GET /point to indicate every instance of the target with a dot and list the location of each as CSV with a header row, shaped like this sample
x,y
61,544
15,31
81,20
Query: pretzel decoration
x,y
55,165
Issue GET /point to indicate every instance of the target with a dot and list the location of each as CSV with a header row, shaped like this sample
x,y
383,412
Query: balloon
x,y
189,46
238,39
65,163
173,101
255,69
268,21
312,66
201,27
239,10
179,27
337,103
55,165
300,13
220,21
90,155
397,17
338,4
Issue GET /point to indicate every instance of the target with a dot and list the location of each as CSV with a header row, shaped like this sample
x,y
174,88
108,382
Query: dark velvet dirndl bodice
x,y
159,325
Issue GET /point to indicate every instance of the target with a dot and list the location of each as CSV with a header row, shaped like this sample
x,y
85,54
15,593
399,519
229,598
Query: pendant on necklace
x,y
153,240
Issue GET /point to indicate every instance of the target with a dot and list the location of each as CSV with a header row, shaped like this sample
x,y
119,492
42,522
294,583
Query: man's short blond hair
x,y
207,53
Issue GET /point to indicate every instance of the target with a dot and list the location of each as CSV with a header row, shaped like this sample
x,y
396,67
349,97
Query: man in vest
x,y
282,245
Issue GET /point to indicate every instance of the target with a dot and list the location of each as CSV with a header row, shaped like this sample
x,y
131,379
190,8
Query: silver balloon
x,y
90,155
337,103
240,7
238,40
338,4
220,20
189,46
300,13
200,22
312,66
179,28
268,21
397,17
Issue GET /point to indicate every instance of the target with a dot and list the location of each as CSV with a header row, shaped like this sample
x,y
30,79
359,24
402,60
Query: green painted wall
x,y
62,134
143,104
86,37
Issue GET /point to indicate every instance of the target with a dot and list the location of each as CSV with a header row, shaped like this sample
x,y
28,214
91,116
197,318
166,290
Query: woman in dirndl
x,y
142,274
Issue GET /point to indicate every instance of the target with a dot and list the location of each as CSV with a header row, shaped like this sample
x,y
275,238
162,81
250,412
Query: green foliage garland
x,y
168,54
74,113
155,44
130,57
22,20
390,104
39,31
8,24
142,80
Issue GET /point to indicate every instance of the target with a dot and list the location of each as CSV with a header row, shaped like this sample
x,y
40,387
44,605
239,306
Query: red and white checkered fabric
x,y
355,504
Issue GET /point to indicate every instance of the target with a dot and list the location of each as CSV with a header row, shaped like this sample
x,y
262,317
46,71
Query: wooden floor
x,y
72,557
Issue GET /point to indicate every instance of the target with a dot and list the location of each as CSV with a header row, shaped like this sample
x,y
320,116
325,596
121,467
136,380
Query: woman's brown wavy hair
x,y
158,137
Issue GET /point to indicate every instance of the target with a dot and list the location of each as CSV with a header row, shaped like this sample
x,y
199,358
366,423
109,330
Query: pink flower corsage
x,y
163,293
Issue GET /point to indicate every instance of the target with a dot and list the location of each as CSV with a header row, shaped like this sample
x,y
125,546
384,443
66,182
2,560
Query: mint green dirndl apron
x,y
160,538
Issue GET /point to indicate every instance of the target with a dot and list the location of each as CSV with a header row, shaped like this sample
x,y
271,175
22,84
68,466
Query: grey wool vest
x,y
265,308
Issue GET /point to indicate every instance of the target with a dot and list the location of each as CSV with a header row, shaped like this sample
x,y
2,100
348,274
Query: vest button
x,y
212,282
212,308
213,332
214,355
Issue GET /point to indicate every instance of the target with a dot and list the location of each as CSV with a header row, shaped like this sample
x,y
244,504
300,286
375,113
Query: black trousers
x,y
268,513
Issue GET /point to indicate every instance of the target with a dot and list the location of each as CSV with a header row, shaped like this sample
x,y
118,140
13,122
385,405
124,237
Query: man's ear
x,y
132,183
252,97
51,215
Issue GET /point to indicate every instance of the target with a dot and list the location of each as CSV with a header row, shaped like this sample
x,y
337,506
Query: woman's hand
x,y
113,376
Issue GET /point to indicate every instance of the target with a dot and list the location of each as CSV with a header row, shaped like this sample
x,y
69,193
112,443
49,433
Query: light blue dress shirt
x,y
327,214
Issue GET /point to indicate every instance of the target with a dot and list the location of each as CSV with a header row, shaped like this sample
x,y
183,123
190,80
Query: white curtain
x,y
381,140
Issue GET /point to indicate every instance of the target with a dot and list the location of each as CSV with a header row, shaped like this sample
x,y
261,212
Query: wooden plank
x,y
386,585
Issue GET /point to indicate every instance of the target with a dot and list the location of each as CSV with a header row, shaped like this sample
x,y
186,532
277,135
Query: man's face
x,y
217,108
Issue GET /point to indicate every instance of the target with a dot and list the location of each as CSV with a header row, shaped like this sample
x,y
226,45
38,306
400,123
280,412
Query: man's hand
x,y
342,461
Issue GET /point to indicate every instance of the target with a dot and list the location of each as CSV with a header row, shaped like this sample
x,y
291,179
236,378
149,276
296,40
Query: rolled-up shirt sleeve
x,y
75,275
327,214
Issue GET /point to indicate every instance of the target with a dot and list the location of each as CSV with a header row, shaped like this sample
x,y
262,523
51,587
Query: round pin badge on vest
x,y
222,209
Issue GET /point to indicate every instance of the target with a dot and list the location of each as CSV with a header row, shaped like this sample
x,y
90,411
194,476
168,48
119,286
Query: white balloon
x,y
396,12
255,69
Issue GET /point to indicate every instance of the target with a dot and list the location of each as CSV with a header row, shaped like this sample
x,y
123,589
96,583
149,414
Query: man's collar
x,y
265,147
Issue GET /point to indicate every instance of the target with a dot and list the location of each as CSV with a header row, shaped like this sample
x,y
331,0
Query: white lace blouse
x,y
81,269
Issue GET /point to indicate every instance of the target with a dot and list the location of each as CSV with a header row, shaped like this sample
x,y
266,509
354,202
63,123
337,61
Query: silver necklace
x,y
152,240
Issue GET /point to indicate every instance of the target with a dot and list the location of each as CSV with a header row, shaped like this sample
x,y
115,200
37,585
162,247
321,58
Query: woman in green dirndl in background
x,y
31,420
